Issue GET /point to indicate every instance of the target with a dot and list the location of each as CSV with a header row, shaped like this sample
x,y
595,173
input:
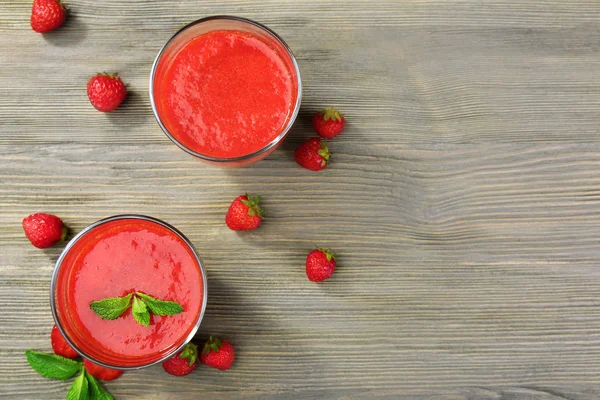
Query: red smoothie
x,y
120,257
226,93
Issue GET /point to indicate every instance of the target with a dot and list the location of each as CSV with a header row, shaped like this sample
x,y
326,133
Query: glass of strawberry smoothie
x,y
117,256
226,90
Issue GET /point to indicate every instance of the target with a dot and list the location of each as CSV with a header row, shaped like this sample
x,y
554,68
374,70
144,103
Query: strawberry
x,y
44,230
217,354
312,154
329,123
60,345
320,264
244,214
106,374
47,15
106,91
183,362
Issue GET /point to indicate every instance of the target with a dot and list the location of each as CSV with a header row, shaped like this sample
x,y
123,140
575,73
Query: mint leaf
x,y
161,307
97,392
140,312
52,366
111,307
79,388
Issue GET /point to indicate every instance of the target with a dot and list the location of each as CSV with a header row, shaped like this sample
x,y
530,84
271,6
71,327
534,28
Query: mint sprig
x,y
97,392
52,366
79,388
140,312
161,307
84,387
141,307
111,307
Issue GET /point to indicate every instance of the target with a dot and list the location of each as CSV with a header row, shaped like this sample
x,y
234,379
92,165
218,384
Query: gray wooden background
x,y
463,198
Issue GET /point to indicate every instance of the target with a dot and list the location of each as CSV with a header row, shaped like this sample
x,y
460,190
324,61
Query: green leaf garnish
x,y
79,388
52,366
97,392
140,312
141,307
160,307
111,307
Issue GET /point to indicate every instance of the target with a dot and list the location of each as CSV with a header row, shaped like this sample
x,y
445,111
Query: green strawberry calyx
x,y
190,351
111,76
331,114
253,207
324,152
64,233
328,254
212,345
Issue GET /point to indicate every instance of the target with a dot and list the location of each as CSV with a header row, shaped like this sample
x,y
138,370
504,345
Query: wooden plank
x,y
462,199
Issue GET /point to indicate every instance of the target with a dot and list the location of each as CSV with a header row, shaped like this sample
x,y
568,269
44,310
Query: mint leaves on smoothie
x,y
140,312
111,307
141,307
85,386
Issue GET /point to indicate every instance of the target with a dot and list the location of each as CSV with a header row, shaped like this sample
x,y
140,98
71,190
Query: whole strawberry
x,y
244,214
329,123
47,15
320,264
100,372
183,362
312,154
217,354
106,91
44,230
60,345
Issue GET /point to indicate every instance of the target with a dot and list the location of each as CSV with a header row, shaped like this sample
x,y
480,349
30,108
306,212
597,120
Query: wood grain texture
x,y
463,199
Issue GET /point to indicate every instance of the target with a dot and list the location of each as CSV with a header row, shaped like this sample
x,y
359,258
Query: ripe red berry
x,y
47,15
60,345
44,230
217,354
312,154
183,362
329,123
244,213
106,92
320,264
106,374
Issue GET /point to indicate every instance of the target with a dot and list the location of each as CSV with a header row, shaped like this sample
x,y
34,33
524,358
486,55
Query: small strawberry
x,y
217,354
312,154
244,214
320,264
183,362
60,345
106,91
47,15
44,230
106,374
329,123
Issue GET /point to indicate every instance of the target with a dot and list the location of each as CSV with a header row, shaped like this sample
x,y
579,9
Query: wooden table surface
x,y
463,198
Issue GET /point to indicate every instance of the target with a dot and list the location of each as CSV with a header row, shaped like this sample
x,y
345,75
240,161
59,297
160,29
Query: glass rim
x,y
244,157
103,221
